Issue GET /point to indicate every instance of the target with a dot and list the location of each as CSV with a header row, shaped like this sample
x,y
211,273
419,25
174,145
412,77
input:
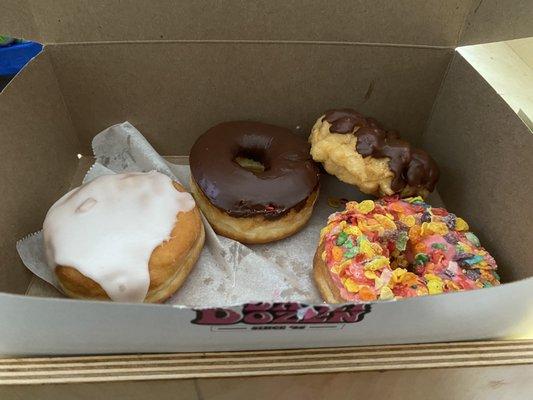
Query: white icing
x,y
108,228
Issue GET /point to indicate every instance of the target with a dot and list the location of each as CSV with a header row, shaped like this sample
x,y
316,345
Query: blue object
x,y
15,56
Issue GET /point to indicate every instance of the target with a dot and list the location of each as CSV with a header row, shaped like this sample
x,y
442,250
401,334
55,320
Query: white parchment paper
x,y
227,272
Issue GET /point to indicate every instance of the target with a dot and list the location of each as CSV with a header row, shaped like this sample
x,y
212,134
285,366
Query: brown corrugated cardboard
x,y
16,20
37,160
175,91
496,20
484,151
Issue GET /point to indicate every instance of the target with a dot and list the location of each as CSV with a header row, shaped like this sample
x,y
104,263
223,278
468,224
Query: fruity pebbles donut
x,y
394,248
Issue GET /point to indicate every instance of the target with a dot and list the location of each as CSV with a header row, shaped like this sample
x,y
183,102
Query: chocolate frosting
x,y
290,174
411,166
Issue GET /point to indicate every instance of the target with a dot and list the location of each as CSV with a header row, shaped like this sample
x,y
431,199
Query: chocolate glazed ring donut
x,y
270,201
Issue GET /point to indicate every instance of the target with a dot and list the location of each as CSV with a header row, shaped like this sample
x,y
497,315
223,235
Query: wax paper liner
x,y
227,271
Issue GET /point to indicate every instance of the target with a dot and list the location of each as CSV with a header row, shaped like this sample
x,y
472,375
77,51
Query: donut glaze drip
x,y
289,177
411,166
108,228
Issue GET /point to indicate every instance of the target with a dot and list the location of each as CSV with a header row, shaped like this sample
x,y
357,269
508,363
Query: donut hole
x,y
252,161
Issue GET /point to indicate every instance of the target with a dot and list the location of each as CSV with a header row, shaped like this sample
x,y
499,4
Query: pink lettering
x,y
258,317
287,317
347,314
320,318
216,316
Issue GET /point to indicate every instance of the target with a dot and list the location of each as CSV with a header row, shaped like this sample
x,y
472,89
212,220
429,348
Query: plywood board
x,y
262,363
472,383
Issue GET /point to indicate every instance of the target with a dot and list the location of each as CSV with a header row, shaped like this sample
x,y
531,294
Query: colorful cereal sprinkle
x,y
393,248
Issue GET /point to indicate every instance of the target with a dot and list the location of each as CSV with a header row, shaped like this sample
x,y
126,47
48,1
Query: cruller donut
x,y
394,248
359,151
254,182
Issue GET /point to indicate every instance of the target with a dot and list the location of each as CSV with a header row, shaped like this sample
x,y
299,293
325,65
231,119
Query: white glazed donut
x,y
127,237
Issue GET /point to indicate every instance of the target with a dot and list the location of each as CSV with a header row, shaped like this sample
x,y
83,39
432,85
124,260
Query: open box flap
x,y
37,159
16,20
484,150
495,20
411,22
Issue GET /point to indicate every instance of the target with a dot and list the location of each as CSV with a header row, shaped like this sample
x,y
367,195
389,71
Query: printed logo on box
x,y
280,315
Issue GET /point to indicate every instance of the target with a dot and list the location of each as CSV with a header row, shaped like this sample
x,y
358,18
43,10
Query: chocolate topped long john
x,y
410,166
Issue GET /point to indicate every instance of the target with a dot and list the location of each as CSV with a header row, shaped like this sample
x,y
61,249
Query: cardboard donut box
x,y
175,70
